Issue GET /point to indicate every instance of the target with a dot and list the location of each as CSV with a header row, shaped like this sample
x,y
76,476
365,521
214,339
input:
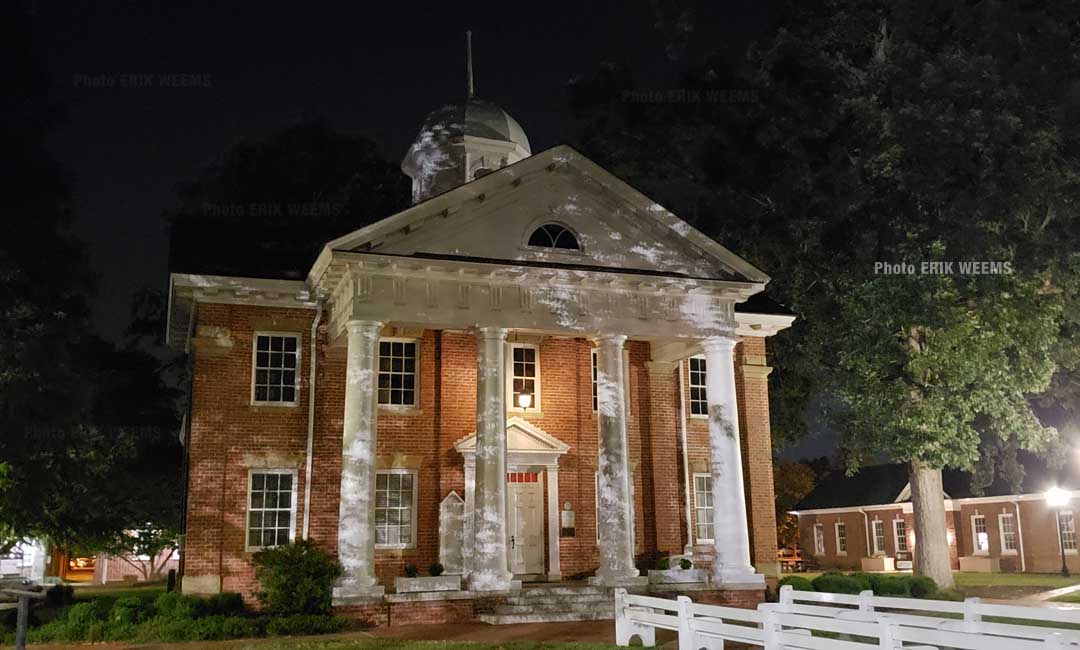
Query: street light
x,y
1057,498
524,401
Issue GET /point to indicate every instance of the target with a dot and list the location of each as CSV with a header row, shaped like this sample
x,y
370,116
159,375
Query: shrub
x,y
798,583
58,596
891,585
664,564
238,627
836,583
865,580
223,604
171,605
436,570
685,564
296,578
411,571
131,609
923,587
304,624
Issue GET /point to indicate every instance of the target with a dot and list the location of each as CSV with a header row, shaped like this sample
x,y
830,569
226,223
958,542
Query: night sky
x,y
153,90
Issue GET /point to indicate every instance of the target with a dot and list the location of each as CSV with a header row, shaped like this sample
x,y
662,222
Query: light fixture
x,y
524,401
1056,497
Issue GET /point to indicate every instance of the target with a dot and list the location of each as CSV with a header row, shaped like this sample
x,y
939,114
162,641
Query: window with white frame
x,y
398,372
1007,528
395,508
1067,531
275,357
841,538
595,382
879,537
271,517
699,405
819,539
524,374
900,535
979,537
703,507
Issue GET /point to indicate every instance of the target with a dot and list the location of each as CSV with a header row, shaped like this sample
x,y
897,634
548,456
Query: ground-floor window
x,y
1067,531
703,508
841,538
979,535
819,539
395,508
879,537
1008,533
271,507
900,535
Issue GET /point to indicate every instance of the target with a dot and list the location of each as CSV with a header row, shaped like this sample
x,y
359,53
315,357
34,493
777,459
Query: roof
x,y
477,118
884,484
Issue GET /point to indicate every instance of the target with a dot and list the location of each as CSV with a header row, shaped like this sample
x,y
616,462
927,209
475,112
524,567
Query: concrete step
x,y
556,608
567,600
543,592
546,617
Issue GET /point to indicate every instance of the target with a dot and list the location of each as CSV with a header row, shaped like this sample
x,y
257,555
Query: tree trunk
x,y
931,535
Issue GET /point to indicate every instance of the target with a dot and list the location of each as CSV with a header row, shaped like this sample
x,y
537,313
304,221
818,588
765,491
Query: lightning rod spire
x,y
468,60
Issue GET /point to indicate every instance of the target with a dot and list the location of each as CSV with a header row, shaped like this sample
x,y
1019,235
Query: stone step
x,y
557,608
540,592
590,599
546,617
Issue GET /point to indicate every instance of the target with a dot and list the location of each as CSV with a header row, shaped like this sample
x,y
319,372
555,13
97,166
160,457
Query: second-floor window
x,y
699,405
274,378
397,372
524,375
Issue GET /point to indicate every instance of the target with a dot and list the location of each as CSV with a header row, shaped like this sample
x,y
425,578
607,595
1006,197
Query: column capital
x,y
364,326
499,333
756,372
719,343
611,340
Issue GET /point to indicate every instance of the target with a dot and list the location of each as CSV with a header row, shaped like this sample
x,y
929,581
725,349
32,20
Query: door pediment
x,y
523,439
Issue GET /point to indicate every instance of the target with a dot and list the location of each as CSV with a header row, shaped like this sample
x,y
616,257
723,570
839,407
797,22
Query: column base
x,y
491,581
619,581
356,595
738,580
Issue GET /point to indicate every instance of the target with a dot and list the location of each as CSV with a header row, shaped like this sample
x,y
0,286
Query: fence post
x,y
770,630
972,617
866,601
885,634
622,634
785,598
21,622
686,633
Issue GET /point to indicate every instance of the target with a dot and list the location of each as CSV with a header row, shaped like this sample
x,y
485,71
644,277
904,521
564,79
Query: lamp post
x,y
1057,498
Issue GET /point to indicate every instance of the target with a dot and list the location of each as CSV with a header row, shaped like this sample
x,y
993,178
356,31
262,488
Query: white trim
x,y
897,536
878,550
415,406
296,369
247,506
975,550
511,406
412,507
1001,533
703,540
836,532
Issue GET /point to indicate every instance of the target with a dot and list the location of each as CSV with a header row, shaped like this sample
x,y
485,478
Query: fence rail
x,y
818,621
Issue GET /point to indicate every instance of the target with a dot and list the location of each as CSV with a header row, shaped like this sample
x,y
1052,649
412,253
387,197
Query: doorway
x,y
525,512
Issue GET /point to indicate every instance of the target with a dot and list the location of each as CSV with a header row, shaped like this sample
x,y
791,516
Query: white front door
x,y
525,510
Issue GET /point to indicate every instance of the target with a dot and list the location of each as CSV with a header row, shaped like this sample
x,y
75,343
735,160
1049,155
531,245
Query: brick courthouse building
x,y
534,373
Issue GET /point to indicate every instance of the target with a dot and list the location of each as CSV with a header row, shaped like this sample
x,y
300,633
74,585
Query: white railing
x,y
814,621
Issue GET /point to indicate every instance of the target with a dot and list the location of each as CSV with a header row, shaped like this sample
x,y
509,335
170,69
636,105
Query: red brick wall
x,y
226,428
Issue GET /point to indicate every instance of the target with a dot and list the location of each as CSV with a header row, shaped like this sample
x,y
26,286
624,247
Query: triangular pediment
x,y
491,219
522,436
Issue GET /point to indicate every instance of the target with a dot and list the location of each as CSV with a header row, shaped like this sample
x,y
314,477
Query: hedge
x,y
854,583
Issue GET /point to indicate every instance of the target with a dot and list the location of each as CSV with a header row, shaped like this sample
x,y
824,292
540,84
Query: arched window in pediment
x,y
552,235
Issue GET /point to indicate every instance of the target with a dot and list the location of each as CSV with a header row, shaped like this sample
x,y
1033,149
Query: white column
x,y
731,562
470,507
554,527
490,570
356,520
615,518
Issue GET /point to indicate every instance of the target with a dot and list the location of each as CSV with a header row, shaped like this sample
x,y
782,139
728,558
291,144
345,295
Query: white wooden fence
x,y
817,621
